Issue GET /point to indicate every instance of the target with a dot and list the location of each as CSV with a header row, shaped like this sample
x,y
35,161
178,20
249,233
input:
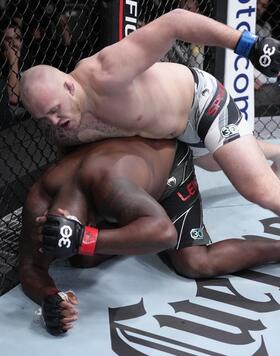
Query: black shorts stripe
x,y
212,111
183,203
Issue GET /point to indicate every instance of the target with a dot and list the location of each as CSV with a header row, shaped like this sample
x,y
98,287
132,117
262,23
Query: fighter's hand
x,y
264,53
265,56
64,237
12,54
59,312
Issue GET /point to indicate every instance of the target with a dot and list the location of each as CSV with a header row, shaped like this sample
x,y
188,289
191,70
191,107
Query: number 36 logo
x,y
65,232
265,58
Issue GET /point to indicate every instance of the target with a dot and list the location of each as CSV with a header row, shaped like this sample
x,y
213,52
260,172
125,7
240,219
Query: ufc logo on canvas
x,y
65,232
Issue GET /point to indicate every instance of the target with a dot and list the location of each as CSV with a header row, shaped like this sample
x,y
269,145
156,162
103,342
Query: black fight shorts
x,y
182,202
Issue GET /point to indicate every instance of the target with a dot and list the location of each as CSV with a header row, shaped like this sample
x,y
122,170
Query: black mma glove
x,y
51,312
64,237
264,53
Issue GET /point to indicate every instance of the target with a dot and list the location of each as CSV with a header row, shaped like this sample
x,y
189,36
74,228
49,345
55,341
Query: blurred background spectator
x,y
14,61
56,32
191,54
195,50
267,90
263,29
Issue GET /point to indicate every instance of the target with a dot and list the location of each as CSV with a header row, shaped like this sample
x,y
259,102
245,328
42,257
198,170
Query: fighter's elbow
x,y
171,19
181,23
178,16
165,234
178,12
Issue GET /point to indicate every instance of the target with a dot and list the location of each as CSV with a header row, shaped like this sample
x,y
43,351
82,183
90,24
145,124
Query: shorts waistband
x,y
194,73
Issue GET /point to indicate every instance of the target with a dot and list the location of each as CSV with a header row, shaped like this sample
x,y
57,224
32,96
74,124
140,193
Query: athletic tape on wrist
x,y
73,217
89,241
63,295
245,43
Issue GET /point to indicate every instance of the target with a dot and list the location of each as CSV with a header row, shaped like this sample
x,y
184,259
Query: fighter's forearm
x,y
142,48
36,282
196,28
143,236
13,84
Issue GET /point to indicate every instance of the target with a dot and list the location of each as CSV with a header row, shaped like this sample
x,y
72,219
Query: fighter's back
x,y
145,162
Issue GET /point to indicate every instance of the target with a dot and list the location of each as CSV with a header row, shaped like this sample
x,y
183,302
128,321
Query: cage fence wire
x,y
60,33
267,90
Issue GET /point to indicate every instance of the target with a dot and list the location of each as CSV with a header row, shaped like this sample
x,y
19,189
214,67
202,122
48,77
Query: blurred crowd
x,y
58,33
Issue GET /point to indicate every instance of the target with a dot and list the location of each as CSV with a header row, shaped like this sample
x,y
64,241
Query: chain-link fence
x,y
267,90
57,33
60,33
184,53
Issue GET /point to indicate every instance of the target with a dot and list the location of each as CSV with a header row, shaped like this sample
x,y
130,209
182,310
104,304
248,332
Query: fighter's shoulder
x,y
55,177
89,67
107,165
93,70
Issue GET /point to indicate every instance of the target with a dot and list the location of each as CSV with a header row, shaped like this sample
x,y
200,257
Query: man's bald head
x,y
39,84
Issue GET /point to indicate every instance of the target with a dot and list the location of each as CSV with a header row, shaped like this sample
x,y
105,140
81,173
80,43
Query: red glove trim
x,y
89,241
52,291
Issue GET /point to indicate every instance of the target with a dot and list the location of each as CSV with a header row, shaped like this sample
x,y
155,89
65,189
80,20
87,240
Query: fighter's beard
x,y
59,136
84,134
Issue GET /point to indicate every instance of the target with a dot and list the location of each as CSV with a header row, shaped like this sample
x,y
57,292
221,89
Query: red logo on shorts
x,y
191,189
216,105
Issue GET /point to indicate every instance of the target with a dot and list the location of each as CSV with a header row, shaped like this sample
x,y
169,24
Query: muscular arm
x,y
33,268
124,60
144,226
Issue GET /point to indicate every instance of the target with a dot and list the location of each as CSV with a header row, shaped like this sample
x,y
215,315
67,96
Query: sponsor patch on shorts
x,y
197,234
172,181
229,130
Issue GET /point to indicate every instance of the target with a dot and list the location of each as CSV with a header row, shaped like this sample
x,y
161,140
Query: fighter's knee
x,y
196,265
260,196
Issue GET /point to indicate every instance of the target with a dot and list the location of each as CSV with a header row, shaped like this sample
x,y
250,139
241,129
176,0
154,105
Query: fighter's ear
x,y
70,87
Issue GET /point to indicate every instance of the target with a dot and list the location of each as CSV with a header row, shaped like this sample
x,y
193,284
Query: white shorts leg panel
x,y
214,119
228,126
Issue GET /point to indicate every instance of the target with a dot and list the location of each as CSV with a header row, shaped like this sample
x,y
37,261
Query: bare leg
x,y
246,167
207,162
271,152
224,257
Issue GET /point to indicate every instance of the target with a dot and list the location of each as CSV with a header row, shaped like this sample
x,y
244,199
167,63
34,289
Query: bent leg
x,y
224,257
245,165
271,152
207,162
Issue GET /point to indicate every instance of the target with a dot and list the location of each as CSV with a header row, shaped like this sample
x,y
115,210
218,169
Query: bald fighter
x,y
103,200
123,91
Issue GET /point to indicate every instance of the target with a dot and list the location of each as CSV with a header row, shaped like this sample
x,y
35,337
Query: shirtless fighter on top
x,y
123,91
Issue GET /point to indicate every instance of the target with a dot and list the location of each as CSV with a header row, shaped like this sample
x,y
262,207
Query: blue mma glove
x,y
264,53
